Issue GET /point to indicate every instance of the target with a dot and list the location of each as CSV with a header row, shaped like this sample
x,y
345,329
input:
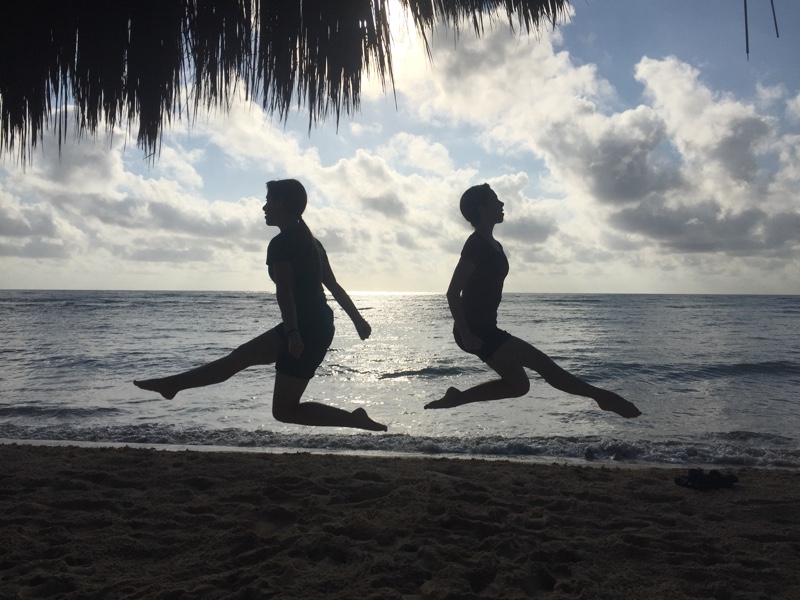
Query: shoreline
x,y
124,522
608,463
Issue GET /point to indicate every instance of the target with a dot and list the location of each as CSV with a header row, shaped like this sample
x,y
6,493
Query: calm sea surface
x,y
717,377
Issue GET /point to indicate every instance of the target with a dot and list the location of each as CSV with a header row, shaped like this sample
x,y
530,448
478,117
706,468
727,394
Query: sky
x,y
636,147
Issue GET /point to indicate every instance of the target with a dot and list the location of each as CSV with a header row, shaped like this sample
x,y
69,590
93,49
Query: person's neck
x,y
288,224
485,230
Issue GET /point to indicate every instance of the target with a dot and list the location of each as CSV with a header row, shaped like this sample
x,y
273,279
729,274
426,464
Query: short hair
x,y
472,200
291,192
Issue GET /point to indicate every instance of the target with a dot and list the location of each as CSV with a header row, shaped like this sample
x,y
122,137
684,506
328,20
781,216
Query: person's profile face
x,y
492,209
272,209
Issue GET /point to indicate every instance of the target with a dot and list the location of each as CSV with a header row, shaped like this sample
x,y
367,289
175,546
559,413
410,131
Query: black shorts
x,y
492,339
315,347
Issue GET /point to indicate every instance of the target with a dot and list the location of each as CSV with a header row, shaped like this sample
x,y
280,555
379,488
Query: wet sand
x,y
137,523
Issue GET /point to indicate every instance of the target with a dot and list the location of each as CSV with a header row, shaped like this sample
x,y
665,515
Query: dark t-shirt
x,y
484,289
313,312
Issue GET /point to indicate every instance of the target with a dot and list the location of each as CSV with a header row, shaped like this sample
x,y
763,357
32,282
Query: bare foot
x,y
364,422
158,386
449,400
616,403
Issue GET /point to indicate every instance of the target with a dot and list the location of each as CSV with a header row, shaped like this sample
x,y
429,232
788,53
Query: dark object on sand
x,y
713,480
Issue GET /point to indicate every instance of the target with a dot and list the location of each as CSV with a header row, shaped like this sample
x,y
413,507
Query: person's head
x,y
475,201
286,201
290,193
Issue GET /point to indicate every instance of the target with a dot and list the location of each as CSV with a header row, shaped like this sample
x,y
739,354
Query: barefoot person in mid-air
x,y
474,296
299,266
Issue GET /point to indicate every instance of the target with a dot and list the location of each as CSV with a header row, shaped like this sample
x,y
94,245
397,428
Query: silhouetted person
x,y
474,295
299,266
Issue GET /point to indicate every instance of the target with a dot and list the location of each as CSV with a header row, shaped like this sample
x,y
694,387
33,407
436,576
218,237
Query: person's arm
x,y
461,275
284,294
337,291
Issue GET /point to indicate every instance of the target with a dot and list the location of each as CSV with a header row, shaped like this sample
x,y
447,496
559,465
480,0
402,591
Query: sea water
x,y
716,377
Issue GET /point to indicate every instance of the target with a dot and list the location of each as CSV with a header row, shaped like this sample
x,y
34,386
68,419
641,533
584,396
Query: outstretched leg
x,y
508,361
535,359
262,350
287,408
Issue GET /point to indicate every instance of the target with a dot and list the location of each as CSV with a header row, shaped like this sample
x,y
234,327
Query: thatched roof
x,y
123,61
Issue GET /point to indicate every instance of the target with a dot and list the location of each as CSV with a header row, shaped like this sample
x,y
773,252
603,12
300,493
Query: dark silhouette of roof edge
x,y
143,63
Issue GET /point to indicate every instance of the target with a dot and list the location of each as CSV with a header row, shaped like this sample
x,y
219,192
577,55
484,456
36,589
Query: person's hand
x,y
295,344
471,341
363,328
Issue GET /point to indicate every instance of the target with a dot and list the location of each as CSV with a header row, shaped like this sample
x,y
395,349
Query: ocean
x,y
716,377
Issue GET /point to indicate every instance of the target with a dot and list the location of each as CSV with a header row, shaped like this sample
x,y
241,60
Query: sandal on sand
x,y
713,480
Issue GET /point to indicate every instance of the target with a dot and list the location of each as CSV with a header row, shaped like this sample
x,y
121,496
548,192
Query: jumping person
x,y
473,297
298,265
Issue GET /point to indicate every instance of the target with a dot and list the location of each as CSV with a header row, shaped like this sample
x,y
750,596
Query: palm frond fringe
x,y
116,61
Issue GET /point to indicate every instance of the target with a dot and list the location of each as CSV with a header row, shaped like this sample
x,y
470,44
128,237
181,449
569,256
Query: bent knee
x,y
519,387
282,414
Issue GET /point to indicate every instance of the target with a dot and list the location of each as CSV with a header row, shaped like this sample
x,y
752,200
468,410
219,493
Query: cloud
x,y
698,228
793,107
172,255
388,205
713,132
86,202
405,240
529,230
359,129
616,161
34,249
419,153
769,95
684,172
18,221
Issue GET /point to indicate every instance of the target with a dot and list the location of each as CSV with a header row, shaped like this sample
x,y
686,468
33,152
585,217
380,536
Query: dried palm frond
x,y
130,60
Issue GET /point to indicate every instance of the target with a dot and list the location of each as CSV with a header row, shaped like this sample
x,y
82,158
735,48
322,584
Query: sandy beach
x,y
137,523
